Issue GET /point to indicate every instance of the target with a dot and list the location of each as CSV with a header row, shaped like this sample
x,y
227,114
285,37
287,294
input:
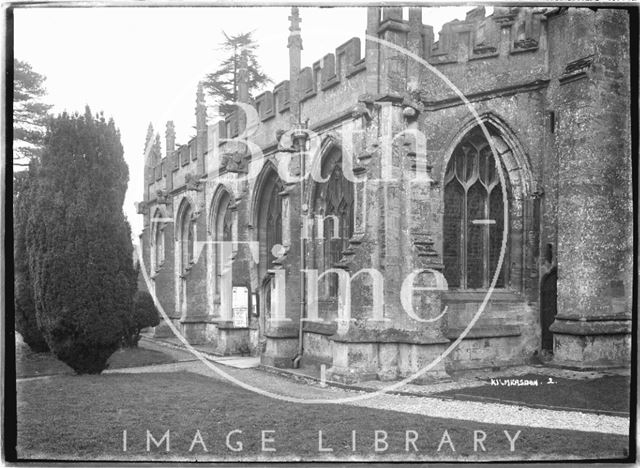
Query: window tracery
x,y
473,215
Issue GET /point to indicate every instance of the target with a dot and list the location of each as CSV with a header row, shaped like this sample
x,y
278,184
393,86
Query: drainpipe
x,y
299,143
299,136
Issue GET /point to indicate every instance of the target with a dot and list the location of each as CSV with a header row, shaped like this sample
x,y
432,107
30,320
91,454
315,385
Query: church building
x,y
406,206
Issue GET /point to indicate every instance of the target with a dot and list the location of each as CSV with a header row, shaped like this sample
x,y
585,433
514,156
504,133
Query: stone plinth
x,y
389,354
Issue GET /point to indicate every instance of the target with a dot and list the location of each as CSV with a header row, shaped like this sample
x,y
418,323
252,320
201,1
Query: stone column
x,y
593,323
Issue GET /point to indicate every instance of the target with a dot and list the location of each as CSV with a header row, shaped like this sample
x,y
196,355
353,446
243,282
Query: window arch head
x,y
473,223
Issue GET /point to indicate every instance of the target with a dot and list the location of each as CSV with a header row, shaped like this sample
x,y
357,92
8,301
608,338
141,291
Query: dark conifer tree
x,y
25,310
79,247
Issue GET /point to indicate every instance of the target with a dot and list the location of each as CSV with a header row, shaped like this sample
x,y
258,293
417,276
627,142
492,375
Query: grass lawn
x,y
608,394
30,364
68,416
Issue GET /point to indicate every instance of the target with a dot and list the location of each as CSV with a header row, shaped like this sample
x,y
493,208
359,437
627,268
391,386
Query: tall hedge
x,y
79,244
25,309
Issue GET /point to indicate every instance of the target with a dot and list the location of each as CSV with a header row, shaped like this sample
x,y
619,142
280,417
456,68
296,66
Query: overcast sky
x,y
142,65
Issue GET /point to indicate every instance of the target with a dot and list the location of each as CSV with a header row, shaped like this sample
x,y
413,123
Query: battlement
x,y
506,49
328,86
476,37
328,72
480,36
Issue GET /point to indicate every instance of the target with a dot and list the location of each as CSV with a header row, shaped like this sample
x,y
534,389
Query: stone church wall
x,y
552,87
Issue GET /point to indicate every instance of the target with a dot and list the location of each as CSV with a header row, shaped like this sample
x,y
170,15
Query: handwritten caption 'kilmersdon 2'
x,y
520,382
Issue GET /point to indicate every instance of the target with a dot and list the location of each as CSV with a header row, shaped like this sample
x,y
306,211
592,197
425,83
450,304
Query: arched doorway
x,y
548,307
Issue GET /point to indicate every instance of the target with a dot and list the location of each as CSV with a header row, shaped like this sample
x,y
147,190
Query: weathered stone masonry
x,y
551,87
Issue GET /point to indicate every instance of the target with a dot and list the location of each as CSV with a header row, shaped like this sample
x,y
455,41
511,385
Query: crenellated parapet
x,y
481,54
476,37
165,173
329,72
477,52
501,53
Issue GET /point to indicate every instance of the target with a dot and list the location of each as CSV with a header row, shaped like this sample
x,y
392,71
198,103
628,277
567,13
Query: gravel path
x,y
496,413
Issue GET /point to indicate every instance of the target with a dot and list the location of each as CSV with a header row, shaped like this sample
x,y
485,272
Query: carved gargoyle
x,y
141,207
192,182
364,108
412,107
284,144
162,197
234,161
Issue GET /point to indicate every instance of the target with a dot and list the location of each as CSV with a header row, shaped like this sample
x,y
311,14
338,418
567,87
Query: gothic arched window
x,y
158,243
334,204
268,218
273,220
473,215
187,234
223,232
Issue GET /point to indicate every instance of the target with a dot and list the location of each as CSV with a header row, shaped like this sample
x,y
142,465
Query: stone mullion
x,y
463,238
486,281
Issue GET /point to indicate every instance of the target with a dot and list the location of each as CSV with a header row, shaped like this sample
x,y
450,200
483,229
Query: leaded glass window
x,y
473,216
334,202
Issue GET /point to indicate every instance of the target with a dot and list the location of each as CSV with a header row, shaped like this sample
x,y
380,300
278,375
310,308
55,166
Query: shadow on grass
x,y
30,364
